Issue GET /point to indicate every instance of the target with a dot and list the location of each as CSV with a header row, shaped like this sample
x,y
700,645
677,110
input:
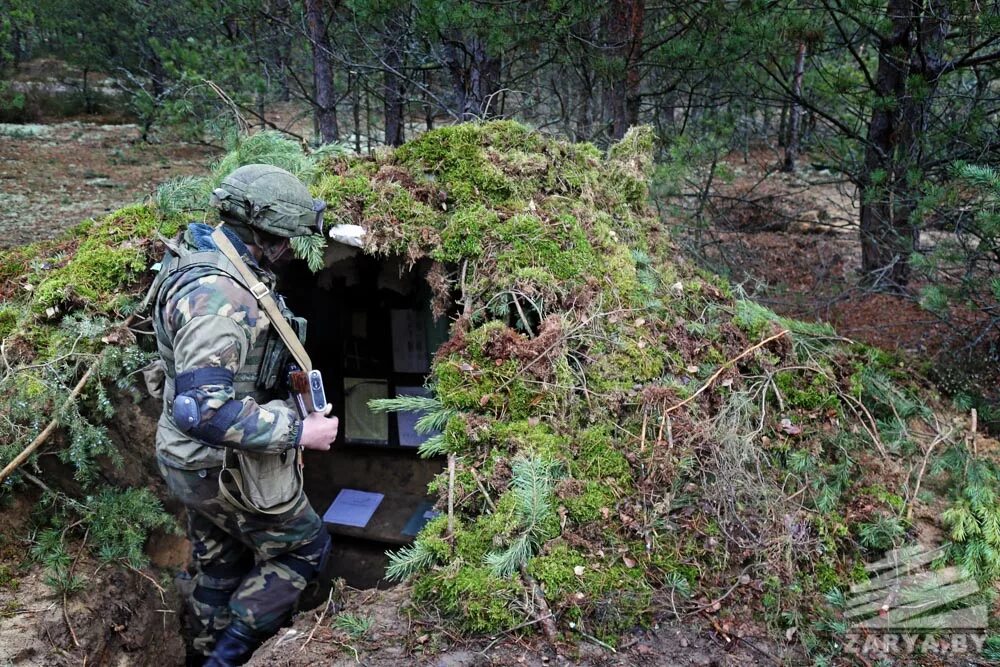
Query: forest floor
x,y
792,242
52,176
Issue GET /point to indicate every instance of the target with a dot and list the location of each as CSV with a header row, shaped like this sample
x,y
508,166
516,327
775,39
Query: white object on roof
x,y
351,235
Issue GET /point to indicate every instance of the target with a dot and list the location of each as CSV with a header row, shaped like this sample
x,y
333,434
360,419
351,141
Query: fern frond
x,y
310,248
436,445
409,561
532,485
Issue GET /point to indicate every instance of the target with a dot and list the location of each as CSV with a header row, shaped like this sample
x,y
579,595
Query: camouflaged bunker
x,y
548,419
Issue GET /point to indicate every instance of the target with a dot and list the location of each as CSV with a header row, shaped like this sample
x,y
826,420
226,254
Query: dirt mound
x,y
119,617
385,628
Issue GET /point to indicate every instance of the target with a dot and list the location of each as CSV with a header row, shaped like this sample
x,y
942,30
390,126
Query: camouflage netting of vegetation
x,y
631,438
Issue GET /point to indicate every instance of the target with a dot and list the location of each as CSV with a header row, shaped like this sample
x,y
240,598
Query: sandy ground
x,y
53,176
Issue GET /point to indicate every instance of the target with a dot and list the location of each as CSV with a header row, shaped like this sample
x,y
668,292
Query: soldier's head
x,y
266,206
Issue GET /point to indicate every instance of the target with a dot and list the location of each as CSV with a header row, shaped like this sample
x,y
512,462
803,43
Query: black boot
x,y
234,646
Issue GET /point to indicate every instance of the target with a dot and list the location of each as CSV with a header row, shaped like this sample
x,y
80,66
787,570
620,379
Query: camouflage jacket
x,y
213,322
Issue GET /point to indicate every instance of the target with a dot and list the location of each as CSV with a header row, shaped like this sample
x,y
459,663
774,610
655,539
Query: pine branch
x,y
310,248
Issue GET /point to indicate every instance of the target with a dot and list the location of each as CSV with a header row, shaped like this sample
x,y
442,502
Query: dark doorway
x,y
372,334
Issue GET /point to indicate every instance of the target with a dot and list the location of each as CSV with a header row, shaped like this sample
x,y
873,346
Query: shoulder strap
x,y
261,292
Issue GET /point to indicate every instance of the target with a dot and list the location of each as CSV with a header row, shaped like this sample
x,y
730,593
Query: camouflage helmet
x,y
269,199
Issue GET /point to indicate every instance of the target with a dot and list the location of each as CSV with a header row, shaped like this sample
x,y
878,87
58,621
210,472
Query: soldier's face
x,y
277,254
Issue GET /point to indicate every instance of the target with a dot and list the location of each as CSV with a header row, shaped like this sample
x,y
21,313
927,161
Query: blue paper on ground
x,y
353,508
425,512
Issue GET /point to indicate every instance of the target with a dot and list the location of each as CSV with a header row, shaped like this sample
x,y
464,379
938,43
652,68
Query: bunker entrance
x,y
372,334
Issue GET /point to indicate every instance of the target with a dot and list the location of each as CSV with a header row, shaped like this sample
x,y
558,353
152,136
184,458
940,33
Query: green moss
x,y
894,501
587,505
599,457
110,258
9,317
475,381
615,598
559,245
630,359
337,190
482,536
472,596
462,236
531,437
806,392
556,571
8,581
456,155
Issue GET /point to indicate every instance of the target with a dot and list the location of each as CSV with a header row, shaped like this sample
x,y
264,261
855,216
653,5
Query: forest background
x,y
832,156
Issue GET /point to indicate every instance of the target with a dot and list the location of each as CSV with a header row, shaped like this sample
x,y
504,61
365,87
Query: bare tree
x,y
623,28
475,75
795,112
325,97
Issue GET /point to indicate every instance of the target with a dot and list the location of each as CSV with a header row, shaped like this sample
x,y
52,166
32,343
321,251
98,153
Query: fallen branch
x,y
544,614
47,431
69,625
724,367
939,438
159,589
482,488
319,619
451,496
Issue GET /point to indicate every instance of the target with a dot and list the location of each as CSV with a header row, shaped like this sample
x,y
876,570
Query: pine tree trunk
x,y
284,61
623,29
324,94
356,109
795,113
475,75
891,172
393,91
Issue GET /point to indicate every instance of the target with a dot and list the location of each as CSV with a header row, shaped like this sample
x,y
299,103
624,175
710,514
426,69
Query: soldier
x,y
256,545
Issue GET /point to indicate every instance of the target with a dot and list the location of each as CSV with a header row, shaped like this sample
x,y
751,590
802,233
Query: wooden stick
x,y
482,488
670,436
663,422
972,433
920,475
645,421
47,431
72,632
319,619
451,495
544,615
723,367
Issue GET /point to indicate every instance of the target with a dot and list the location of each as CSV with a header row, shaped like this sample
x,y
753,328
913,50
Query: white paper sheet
x,y
353,508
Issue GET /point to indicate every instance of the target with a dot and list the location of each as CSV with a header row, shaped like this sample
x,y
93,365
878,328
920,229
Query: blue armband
x,y
187,411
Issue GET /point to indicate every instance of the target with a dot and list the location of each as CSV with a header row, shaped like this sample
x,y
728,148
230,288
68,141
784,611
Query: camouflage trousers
x,y
250,568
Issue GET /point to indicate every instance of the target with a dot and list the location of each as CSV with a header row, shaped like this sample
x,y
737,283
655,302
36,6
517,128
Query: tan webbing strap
x,y
261,292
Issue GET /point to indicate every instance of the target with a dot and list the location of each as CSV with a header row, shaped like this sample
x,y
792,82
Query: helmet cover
x,y
270,199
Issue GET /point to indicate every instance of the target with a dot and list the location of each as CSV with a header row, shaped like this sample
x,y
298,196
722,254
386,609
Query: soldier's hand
x,y
318,430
